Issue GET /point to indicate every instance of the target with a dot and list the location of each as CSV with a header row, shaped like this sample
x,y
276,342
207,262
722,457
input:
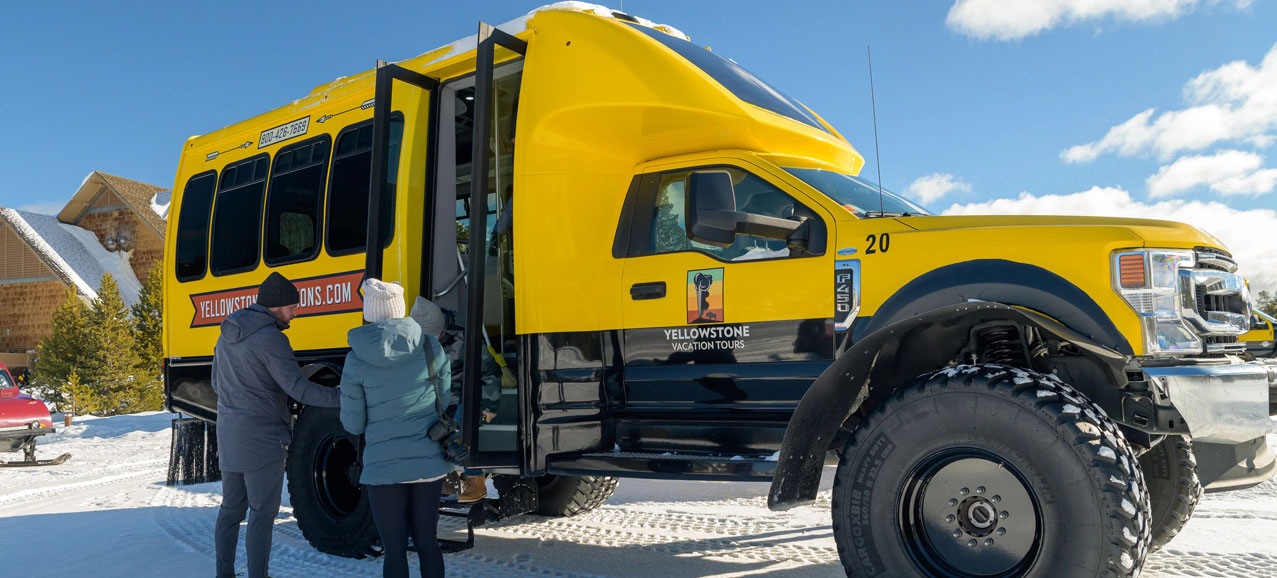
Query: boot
x,y
473,489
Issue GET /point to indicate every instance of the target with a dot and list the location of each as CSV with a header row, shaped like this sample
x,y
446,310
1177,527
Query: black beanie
x,y
276,291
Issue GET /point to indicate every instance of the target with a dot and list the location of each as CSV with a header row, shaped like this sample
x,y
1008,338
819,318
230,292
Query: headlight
x,y
1149,280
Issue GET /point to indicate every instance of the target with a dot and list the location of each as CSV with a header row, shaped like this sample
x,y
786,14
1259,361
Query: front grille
x,y
1215,301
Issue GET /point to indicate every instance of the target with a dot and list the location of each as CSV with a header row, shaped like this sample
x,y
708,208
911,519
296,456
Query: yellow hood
x,y
1154,233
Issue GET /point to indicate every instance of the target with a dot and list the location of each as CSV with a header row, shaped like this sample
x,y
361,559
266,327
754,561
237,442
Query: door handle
x,y
641,291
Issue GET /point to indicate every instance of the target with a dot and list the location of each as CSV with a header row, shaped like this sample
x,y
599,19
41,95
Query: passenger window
x,y
350,183
293,203
237,216
753,195
192,226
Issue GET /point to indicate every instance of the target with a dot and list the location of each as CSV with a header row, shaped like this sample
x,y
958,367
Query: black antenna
x,y
873,103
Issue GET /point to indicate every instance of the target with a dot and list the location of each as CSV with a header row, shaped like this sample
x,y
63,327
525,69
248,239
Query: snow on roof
x,y
160,203
520,24
74,253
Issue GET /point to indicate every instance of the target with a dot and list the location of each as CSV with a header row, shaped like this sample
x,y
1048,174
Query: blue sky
x,y
990,98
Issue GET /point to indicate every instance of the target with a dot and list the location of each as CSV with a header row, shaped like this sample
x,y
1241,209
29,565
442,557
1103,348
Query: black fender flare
x,y
891,357
1000,281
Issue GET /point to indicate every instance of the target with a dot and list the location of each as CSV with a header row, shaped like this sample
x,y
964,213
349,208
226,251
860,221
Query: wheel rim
x,y
967,512
334,478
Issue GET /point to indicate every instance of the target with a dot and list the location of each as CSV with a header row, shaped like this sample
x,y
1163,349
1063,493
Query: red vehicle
x,y
22,419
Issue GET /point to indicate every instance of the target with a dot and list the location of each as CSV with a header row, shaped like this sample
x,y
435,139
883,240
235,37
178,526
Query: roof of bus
x,y
432,58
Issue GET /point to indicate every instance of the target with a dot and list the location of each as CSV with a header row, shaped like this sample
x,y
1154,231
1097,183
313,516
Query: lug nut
x,y
971,542
957,533
1003,514
953,502
949,518
995,499
988,541
979,490
1002,531
964,491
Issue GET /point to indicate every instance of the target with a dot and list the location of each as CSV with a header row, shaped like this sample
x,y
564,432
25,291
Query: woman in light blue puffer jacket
x,y
387,395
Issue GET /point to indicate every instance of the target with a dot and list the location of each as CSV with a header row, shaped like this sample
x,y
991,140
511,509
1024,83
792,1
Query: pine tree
x,y
148,332
112,358
80,396
1267,303
60,353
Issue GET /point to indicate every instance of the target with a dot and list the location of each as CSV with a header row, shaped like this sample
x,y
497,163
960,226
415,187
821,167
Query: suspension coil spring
x,y
1002,345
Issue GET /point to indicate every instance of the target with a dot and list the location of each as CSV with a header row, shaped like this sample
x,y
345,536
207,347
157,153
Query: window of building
x,y
237,216
294,202
753,195
192,226
348,187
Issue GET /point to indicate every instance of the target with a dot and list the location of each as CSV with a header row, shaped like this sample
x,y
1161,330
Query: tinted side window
x,y
237,216
348,189
294,203
192,226
733,77
753,195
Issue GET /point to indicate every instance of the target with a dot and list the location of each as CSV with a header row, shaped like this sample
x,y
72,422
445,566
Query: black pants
x,y
401,510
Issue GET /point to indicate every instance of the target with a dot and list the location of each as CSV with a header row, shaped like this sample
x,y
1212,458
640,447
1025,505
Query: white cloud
x,y
1235,102
1227,172
44,207
1248,235
1015,19
933,186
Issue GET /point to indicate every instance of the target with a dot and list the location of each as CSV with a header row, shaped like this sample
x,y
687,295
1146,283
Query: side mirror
x,y
711,208
712,217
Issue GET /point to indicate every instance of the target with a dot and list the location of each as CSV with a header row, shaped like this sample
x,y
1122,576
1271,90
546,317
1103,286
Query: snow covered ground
x,y
107,512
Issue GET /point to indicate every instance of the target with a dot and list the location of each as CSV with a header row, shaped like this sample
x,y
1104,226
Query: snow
x,y
160,203
520,24
75,253
107,512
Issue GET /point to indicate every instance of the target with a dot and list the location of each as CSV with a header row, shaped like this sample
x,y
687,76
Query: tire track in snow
x,y
189,518
741,545
1174,563
143,469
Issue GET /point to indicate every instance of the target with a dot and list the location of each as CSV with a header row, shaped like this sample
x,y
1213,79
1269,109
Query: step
x,y
668,465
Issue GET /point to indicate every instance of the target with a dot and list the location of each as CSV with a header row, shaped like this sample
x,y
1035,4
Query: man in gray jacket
x,y
254,374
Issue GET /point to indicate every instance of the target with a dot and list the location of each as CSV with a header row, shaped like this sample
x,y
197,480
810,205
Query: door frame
x,y
485,66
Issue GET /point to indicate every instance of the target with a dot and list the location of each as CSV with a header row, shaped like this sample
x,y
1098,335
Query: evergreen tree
x,y
112,358
80,397
60,353
148,319
1267,303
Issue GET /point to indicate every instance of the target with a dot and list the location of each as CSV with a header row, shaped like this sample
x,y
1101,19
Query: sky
x,y
1156,108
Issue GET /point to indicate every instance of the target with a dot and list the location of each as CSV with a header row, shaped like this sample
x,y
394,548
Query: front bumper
x,y
12,438
1226,404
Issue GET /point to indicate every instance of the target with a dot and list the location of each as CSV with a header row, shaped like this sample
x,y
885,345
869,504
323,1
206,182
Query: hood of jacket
x,y
388,343
247,321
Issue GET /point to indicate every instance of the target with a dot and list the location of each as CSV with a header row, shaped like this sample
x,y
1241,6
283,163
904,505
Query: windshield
x,y
859,196
733,77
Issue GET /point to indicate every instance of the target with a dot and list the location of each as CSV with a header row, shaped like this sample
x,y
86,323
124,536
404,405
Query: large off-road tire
x,y
989,471
323,484
1170,470
567,496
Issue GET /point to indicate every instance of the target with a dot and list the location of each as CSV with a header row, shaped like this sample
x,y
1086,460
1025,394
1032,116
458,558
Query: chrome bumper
x,y
1226,404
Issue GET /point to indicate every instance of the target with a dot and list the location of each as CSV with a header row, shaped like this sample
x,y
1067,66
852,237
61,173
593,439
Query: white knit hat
x,y
428,314
382,300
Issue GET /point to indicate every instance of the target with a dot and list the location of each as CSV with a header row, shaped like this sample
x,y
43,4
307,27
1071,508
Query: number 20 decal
x,y
878,244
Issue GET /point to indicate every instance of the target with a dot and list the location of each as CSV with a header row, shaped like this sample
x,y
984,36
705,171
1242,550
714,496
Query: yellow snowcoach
x,y
697,285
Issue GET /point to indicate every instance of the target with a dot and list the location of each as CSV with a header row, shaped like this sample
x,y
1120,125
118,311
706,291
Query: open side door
x,y
381,206
495,443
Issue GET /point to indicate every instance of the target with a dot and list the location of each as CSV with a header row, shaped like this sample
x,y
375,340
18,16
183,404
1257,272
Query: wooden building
x,y
111,225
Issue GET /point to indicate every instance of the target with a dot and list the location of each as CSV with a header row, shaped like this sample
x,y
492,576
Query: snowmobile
x,y
22,420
